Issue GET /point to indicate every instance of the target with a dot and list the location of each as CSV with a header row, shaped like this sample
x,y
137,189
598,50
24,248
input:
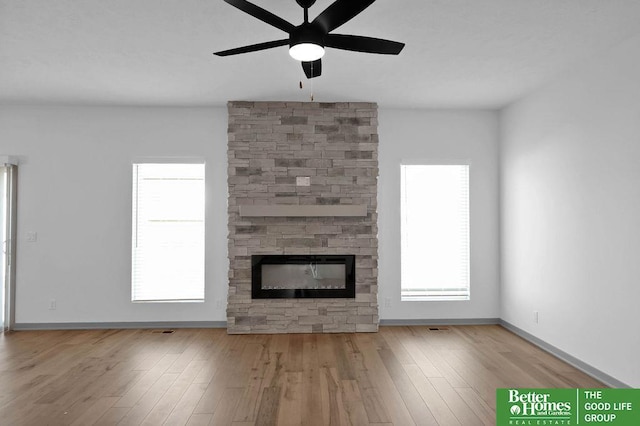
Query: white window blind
x,y
435,232
168,232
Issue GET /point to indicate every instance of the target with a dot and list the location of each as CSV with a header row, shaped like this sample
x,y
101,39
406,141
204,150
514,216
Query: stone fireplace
x,y
303,184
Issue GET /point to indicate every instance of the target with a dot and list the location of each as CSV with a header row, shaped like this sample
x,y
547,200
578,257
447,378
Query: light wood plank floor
x,y
399,376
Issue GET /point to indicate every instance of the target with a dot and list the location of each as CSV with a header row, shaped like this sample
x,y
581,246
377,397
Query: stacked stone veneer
x,y
336,145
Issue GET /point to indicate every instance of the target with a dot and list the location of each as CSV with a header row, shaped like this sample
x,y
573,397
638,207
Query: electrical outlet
x,y
535,316
387,302
303,181
32,237
52,305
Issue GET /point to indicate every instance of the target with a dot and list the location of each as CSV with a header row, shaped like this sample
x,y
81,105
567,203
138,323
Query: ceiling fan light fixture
x,y
306,52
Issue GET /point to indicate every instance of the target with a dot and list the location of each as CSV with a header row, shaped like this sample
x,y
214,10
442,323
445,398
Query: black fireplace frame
x,y
257,292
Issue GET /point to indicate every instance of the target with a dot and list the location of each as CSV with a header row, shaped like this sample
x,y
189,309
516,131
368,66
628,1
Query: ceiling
x,y
458,54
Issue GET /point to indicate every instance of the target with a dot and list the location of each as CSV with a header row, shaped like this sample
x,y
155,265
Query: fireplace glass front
x,y
302,276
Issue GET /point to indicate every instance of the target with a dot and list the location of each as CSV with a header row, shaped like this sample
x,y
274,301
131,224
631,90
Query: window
x,y
168,232
435,232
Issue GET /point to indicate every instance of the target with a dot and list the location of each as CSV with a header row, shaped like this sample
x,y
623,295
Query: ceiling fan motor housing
x,y
307,33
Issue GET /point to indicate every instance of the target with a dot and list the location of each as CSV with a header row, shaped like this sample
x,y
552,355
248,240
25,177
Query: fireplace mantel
x,y
303,210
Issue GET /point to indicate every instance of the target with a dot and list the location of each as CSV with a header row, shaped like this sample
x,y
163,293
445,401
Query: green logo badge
x,y
546,407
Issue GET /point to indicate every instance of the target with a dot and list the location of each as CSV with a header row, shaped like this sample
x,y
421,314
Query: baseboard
x,y
569,359
117,325
440,321
221,324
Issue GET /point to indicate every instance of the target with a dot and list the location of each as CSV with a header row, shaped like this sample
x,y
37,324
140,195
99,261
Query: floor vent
x,y
438,328
163,331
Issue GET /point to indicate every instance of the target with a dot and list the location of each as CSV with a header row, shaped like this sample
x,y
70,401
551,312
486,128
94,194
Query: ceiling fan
x,y
308,40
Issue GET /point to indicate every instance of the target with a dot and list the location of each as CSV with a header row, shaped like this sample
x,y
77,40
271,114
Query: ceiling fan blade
x,y
340,12
253,47
363,44
261,14
312,69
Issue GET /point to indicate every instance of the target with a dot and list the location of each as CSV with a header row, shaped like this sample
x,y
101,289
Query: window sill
x,y
434,298
170,301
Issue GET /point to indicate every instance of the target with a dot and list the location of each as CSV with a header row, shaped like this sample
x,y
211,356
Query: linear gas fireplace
x,y
303,276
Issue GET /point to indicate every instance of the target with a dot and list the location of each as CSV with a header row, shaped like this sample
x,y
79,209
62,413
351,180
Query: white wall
x,y
75,192
440,135
570,192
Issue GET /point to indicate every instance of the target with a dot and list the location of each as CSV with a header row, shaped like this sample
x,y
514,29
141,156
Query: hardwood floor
x,y
399,376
